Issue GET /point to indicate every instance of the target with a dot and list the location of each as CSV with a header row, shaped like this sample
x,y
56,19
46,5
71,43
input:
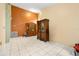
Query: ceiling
x,y
33,6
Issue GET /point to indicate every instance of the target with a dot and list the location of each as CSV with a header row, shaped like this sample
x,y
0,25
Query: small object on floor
x,y
76,47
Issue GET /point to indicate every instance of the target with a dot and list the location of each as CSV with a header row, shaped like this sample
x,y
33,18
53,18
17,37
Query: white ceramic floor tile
x,y
30,46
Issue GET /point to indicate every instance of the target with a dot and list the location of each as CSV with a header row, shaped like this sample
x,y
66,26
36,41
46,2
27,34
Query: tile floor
x,y
30,46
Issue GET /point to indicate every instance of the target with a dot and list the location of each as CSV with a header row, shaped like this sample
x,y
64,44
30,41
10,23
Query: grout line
x,y
59,52
18,50
10,49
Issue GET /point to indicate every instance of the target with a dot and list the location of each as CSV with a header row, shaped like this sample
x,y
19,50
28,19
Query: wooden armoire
x,y
43,30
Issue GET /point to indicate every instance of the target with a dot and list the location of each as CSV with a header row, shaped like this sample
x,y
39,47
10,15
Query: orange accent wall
x,y
19,18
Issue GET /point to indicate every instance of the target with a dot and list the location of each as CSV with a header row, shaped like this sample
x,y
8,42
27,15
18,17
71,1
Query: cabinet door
x,y
32,29
43,31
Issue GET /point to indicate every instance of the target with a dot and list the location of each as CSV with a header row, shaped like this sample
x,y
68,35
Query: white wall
x,y
2,24
5,20
63,23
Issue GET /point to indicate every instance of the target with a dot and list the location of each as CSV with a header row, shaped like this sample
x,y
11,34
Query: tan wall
x,y
2,24
63,23
19,18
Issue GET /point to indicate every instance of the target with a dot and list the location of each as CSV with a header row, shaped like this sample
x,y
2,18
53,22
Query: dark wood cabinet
x,y
43,30
30,29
